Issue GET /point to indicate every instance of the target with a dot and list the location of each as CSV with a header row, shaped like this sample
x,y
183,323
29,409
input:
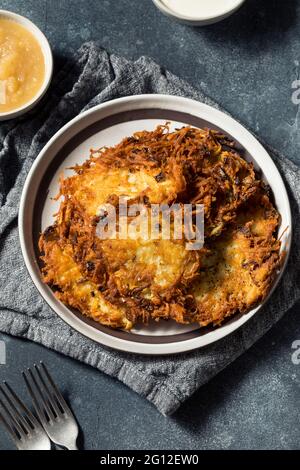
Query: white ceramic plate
x,y
107,124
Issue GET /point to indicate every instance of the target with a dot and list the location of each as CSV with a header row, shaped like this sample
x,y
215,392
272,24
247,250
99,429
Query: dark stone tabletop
x,y
248,64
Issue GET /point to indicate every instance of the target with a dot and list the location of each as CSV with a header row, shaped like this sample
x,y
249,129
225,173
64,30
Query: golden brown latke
x,y
73,288
120,282
239,267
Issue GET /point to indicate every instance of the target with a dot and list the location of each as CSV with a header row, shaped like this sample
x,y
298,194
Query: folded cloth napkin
x,y
93,77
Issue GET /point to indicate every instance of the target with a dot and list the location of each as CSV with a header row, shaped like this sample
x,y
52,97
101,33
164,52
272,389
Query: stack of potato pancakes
x,y
121,282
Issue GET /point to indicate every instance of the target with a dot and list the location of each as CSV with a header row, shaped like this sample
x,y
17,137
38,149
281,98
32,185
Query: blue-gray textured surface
x,y
248,65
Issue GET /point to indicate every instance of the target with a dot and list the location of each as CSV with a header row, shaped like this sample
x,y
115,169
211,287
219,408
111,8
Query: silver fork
x,y
51,408
20,423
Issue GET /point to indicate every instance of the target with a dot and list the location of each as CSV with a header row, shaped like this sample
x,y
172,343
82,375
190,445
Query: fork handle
x,y
72,446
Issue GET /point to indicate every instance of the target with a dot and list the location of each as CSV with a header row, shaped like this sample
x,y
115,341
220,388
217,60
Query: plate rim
x,y
159,101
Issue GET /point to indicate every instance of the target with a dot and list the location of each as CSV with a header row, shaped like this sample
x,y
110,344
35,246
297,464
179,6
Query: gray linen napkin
x,y
93,77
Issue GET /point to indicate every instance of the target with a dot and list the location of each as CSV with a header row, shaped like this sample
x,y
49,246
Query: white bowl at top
x,y
45,46
198,12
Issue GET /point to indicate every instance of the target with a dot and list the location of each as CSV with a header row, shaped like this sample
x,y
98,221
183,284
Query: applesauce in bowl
x,y
25,64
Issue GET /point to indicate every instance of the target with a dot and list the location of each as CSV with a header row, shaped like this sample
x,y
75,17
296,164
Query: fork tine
x,y
38,408
55,390
7,426
13,421
33,422
15,412
51,399
41,394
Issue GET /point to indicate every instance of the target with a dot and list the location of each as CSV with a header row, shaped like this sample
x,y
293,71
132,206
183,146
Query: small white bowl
x,y
45,46
221,13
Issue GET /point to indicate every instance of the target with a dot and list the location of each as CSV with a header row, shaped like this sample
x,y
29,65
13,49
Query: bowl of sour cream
x,y
198,12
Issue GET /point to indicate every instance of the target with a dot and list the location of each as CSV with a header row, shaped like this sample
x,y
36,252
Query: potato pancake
x,y
73,288
240,266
